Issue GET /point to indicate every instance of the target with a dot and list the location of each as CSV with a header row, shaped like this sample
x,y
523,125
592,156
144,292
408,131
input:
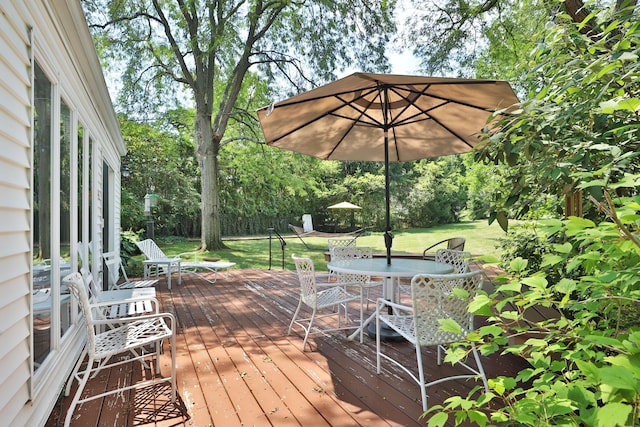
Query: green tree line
x,y
264,187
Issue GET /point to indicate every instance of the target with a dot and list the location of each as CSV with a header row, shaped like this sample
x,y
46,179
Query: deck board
x,y
236,366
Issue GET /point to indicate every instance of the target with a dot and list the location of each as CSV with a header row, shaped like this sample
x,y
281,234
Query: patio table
x,y
398,269
157,262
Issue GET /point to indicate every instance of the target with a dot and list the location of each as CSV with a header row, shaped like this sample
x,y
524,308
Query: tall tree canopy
x,y
200,53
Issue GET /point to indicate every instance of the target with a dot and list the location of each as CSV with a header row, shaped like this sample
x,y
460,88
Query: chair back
x,y
150,249
112,262
76,284
307,278
352,252
336,242
458,259
434,298
456,243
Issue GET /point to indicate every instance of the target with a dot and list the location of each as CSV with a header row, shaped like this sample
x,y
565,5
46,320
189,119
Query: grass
x,y
482,239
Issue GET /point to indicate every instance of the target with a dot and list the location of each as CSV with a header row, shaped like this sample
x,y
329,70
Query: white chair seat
x,y
136,333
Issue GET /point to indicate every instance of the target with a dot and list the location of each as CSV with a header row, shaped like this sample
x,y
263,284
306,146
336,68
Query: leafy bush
x,y
524,241
578,132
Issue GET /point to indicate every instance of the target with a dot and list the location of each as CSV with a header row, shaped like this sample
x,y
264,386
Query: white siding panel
x,y
15,257
13,30
15,198
13,174
15,252
13,105
13,404
13,220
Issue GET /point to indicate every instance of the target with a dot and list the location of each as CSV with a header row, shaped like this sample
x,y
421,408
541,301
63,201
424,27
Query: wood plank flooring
x,y
236,366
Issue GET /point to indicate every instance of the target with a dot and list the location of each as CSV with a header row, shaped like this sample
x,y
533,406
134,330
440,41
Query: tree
x,y
203,51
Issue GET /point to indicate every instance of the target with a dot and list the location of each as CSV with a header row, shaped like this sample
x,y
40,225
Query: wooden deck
x,y
236,366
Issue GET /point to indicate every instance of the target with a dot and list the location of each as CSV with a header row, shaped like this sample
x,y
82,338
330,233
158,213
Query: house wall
x,y
55,35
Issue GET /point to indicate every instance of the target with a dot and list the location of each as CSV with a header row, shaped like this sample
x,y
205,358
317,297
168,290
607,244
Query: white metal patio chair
x,y
362,281
138,337
157,262
458,259
336,242
434,297
119,303
328,297
115,266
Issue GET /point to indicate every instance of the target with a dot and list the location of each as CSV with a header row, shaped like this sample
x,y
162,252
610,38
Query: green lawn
x,y
481,240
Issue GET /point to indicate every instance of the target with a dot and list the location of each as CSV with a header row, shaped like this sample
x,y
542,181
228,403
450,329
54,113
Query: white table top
x,y
398,268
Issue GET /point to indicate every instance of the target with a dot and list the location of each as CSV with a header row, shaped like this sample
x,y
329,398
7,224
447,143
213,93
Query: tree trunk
x,y
207,153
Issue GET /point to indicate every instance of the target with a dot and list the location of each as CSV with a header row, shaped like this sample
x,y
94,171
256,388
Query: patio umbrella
x,y
386,117
344,205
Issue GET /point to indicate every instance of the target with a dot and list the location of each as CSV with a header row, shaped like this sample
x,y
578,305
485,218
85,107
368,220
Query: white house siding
x,y
15,202
54,34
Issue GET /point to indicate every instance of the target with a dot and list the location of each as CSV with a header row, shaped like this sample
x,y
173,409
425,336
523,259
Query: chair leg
x,y
423,388
308,329
76,397
74,373
362,312
480,368
377,341
173,368
295,315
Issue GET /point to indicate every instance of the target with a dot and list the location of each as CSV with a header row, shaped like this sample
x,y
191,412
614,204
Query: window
x,y
52,183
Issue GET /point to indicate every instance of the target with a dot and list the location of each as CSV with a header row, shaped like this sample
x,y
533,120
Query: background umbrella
x,y
386,117
346,206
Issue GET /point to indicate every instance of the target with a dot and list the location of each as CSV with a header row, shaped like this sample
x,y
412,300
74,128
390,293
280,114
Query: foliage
x,y
527,242
160,162
485,38
582,112
579,130
438,194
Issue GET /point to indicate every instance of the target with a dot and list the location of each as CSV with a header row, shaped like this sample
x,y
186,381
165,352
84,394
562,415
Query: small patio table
x,y
399,268
169,262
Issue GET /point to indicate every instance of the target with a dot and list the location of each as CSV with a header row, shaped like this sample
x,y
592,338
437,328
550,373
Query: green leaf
x,y
518,264
438,420
613,414
478,417
537,282
450,325
479,303
619,377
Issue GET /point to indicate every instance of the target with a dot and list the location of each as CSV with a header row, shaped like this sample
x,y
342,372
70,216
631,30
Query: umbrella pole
x,y
388,235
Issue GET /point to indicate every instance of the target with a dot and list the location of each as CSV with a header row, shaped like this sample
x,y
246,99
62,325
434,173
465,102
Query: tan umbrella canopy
x,y
386,117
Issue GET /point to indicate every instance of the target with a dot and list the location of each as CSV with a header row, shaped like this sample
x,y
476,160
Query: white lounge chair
x,y
157,261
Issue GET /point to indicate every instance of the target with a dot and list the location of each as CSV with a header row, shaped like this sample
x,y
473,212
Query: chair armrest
x,y
425,252
125,320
